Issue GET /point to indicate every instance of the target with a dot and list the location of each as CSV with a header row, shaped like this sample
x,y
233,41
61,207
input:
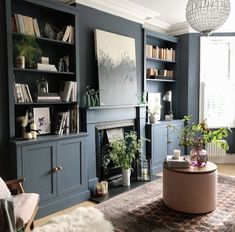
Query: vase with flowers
x,y
122,152
24,121
196,136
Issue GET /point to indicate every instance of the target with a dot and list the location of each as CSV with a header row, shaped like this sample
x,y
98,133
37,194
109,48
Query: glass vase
x,y
198,157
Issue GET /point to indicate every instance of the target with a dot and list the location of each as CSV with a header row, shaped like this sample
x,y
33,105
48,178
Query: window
x,y
217,81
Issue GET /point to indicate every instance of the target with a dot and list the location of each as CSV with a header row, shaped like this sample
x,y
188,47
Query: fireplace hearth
x,y
112,173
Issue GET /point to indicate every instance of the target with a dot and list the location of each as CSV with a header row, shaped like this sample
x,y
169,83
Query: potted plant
x,y
122,152
196,136
154,113
28,48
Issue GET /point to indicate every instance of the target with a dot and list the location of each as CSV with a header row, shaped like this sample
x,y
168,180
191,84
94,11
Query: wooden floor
x,y
228,169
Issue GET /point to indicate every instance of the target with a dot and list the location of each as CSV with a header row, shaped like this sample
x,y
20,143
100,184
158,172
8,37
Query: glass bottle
x,y
43,86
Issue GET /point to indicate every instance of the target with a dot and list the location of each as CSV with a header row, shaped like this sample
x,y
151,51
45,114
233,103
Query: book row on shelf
x,y
67,93
153,51
45,120
163,72
23,24
66,122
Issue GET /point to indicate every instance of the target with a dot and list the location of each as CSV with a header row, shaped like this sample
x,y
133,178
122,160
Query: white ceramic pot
x,y
126,175
152,118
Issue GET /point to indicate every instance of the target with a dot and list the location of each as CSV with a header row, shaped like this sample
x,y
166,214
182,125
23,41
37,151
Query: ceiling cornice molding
x,y
145,16
128,10
179,29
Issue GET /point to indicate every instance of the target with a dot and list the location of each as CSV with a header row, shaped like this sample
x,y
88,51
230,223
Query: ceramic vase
x,y
152,118
126,175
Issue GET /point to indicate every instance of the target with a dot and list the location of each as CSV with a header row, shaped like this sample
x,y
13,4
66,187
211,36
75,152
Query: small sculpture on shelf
x,y
24,121
63,64
66,63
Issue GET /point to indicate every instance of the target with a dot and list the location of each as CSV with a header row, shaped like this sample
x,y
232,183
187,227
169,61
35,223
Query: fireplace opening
x,y
113,173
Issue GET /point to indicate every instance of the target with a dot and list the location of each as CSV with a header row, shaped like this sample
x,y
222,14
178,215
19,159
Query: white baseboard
x,y
229,158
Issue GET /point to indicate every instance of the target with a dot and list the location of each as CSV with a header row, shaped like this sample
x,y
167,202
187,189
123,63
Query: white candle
x,y
176,153
34,134
33,126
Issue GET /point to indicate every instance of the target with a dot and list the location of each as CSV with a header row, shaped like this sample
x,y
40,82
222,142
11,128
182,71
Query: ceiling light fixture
x,y
206,16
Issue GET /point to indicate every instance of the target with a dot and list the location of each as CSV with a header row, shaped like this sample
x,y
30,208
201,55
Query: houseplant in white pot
x,y
154,113
122,152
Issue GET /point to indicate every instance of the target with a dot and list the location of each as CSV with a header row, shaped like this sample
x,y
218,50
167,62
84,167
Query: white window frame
x,y
225,118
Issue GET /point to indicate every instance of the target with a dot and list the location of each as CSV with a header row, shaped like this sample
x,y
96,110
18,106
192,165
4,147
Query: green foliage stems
x,y
29,48
123,151
198,135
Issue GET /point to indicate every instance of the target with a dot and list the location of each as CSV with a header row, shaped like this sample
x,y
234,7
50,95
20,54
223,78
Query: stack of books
x,y
47,97
68,91
25,25
182,162
69,34
46,67
22,93
62,123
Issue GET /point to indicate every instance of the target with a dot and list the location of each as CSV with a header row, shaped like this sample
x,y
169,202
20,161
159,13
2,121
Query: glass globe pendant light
x,y
206,16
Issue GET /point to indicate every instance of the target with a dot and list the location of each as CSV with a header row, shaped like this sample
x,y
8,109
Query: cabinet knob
x,y
60,168
55,169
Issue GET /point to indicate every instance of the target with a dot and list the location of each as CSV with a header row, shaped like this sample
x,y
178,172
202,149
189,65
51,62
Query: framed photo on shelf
x,y
42,119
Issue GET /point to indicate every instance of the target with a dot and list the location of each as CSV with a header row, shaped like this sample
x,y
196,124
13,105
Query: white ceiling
x,y
169,11
162,15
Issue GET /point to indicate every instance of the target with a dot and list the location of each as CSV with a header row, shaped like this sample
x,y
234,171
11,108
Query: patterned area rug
x,y
142,209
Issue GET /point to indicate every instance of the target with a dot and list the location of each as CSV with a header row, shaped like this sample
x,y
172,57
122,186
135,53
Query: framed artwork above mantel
x,y
116,57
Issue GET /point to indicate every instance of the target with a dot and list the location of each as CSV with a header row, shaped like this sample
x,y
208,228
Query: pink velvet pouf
x,y
190,190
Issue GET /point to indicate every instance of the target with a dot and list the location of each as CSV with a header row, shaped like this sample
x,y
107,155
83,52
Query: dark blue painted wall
x,y
91,19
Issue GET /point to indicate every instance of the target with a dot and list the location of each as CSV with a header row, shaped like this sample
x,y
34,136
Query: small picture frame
x,y
42,119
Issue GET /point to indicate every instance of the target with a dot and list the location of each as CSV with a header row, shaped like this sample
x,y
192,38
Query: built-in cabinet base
x,y
163,140
56,168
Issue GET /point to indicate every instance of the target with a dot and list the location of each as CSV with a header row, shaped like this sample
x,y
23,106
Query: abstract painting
x,y
116,68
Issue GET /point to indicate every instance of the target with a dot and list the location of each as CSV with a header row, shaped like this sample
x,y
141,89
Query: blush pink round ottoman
x,y
190,190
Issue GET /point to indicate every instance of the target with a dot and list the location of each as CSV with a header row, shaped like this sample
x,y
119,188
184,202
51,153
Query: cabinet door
x,y
37,165
159,144
173,137
71,160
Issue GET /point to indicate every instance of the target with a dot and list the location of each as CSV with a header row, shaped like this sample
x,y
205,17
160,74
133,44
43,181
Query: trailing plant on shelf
x,y
29,48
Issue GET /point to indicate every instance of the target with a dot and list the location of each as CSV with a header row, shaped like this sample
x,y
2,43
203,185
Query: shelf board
x,y
47,138
43,39
44,103
160,60
41,71
158,79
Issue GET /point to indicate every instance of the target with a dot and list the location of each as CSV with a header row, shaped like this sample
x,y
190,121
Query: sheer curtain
x,y
217,81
